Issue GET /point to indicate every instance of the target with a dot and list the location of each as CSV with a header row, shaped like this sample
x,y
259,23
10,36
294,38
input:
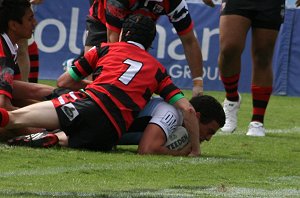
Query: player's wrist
x,y
198,81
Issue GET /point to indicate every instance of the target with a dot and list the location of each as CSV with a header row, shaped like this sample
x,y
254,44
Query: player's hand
x,y
297,3
209,3
197,88
193,154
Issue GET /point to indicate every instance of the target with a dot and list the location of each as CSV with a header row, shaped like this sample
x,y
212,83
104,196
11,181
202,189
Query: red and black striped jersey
x,y
7,66
126,76
97,10
176,10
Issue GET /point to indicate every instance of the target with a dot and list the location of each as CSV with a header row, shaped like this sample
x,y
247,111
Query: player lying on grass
x,y
126,76
160,123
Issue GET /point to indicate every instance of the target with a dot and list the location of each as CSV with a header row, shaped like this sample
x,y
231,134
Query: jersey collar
x,y
13,47
137,44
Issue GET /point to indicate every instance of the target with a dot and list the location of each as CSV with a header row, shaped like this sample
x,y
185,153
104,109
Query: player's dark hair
x,y
209,108
12,10
140,29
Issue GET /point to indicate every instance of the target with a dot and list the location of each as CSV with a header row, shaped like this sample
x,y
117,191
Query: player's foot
x,y
231,111
256,129
41,139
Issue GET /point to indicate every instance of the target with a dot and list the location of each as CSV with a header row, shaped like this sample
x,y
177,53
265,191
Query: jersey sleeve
x,y
6,77
180,17
87,64
115,12
166,89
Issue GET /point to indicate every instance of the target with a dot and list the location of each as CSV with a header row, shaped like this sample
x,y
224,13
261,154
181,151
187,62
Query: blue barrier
x,y
60,35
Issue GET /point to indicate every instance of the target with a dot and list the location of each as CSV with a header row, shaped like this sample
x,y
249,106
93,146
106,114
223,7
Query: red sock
x,y
4,117
260,100
231,87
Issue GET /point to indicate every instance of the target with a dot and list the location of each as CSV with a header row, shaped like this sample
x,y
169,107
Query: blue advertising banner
x,y
61,31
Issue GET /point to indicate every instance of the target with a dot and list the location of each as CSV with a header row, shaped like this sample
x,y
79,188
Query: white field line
x,y
268,131
221,191
172,193
103,167
288,130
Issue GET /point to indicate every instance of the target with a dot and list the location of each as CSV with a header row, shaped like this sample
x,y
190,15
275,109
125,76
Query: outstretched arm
x,y
191,123
194,58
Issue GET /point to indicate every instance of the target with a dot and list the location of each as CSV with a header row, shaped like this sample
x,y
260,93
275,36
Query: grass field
x,y
231,165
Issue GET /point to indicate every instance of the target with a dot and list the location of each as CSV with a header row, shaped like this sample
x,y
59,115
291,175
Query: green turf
x,y
231,165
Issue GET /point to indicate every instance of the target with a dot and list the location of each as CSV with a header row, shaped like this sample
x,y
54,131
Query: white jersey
x,y
163,114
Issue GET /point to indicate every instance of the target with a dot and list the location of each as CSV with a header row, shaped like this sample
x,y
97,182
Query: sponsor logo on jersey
x,y
70,111
168,120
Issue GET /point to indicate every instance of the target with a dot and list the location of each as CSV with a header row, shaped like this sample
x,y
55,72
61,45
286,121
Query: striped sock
x,y
260,100
231,87
4,117
34,62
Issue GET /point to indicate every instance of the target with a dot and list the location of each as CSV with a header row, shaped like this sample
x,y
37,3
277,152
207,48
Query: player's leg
x,y
39,115
263,42
233,33
265,27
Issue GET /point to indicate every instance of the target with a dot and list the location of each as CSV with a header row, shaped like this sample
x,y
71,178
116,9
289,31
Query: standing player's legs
x,y
233,33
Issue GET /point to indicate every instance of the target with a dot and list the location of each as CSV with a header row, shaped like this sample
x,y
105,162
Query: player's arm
x,y
23,59
34,91
69,80
190,120
153,141
194,58
73,78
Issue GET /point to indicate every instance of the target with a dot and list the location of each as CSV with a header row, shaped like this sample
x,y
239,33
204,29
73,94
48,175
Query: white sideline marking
x,y
243,131
289,130
179,192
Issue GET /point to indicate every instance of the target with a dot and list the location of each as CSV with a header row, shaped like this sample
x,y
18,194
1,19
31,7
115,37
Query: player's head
x,y
12,10
140,29
212,115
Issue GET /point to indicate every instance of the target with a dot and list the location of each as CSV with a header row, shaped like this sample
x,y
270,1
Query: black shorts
x,y
96,32
267,14
86,125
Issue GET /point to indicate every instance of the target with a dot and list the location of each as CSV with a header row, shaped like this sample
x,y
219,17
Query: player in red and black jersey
x,y
96,24
178,14
16,23
126,76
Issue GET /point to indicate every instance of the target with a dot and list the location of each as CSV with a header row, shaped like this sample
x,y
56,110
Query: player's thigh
x,y
263,42
41,115
233,33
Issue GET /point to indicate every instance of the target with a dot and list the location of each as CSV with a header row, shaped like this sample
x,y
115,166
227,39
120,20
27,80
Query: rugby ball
x,y
177,139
